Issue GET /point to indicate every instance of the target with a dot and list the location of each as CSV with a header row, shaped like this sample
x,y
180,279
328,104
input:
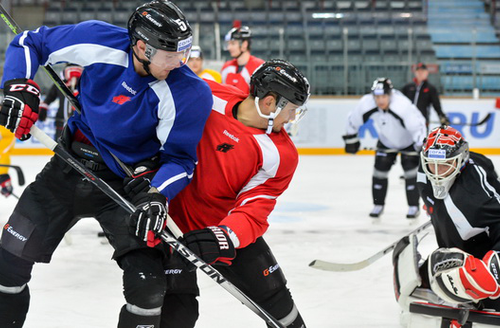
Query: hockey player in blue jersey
x,y
139,103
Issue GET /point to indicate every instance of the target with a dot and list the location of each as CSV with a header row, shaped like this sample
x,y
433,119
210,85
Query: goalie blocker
x,y
456,278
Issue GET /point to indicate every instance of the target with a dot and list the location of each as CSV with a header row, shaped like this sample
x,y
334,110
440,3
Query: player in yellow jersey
x,y
196,64
7,141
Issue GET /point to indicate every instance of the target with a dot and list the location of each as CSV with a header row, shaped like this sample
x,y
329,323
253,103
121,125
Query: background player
x,y
247,160
71,75
423,94
7,142
238,70
140,103
401,129
195,62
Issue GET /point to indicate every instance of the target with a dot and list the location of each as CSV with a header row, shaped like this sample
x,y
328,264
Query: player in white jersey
x,y
401,129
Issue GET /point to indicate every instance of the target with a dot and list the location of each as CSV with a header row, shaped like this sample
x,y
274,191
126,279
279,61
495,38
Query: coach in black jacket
x,y
423,94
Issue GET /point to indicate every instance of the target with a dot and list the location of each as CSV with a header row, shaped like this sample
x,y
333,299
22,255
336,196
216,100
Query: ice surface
x,y
323,215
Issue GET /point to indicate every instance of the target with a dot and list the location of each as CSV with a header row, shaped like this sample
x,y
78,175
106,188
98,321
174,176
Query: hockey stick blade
x,y
19,172
345,267
484,120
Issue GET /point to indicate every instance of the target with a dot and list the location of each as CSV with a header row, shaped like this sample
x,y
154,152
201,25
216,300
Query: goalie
x,y
460,190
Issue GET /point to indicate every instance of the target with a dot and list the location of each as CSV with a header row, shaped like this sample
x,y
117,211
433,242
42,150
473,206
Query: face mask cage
x,y
442,172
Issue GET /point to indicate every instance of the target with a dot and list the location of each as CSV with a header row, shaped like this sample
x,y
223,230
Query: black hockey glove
x,y
352,143
20,106
211,244
150,218
5,185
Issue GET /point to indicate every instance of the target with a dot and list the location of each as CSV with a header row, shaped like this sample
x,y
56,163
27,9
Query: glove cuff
x,y
350,138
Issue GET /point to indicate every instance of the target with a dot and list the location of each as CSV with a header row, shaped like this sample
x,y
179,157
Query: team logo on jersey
x,y
121,99
225,147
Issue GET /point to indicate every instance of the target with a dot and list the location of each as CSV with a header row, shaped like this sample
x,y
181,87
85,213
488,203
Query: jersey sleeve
x,y
436,103
355,118
249,218
83,44
178,151
488,196
415,124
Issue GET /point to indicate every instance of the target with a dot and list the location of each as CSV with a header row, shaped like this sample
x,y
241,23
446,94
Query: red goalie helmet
x,y
443,155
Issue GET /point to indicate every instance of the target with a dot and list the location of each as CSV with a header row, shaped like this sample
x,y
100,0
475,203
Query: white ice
x,y
323,215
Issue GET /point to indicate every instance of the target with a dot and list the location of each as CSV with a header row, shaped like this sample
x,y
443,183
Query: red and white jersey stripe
x,y
241,172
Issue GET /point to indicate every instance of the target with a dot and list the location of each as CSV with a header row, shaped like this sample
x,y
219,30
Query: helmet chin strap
x,y
145,63
270,118
241,52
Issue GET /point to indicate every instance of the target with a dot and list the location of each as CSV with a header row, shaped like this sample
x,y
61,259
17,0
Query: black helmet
x,y
280,77
239,33
161,25
382,86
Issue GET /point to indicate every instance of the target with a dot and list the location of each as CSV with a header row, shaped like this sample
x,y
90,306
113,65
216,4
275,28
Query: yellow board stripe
x,y
31,151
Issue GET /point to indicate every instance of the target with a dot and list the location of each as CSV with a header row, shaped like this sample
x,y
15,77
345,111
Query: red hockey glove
x,y
458,277
5,185
20,106
211,244
150,218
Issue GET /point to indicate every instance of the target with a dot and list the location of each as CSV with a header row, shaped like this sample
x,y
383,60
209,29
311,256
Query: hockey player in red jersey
x,y
246,160
238,70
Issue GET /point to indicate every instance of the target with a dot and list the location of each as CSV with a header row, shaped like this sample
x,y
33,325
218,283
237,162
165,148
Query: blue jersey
x,y
133,117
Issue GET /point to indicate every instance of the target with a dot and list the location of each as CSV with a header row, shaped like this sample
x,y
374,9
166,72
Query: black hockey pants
x,y
47,209
384,160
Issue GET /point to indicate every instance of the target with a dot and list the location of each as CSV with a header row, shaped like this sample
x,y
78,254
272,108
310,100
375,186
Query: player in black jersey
x,y
461,193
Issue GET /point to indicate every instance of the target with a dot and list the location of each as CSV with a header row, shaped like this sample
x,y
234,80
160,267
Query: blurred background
x,y
341,45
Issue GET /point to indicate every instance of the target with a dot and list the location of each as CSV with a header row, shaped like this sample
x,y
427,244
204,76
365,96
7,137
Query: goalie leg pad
x,y
406,276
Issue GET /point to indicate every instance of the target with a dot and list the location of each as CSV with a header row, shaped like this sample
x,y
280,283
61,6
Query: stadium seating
x,y
380,37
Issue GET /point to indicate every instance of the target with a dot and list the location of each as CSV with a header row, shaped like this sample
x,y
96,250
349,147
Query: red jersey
x,y
240,80
241,172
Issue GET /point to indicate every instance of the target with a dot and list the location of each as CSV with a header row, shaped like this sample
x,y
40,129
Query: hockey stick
x,y
11,23
330,266
391,150
19,172
484,120
166,236
48,69
110,192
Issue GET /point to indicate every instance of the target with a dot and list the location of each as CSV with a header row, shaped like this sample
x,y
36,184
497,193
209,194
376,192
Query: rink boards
x,y
321,130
